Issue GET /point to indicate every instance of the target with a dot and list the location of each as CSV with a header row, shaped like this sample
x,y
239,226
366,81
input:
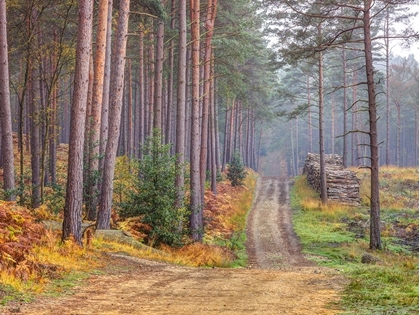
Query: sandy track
x,y
272,243
279,281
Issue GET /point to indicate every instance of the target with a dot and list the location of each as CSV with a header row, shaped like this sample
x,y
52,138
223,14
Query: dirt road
x,y
279,279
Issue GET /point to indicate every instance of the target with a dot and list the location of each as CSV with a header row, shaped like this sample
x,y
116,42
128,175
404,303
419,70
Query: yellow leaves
x,y
198,255
225,212
44,213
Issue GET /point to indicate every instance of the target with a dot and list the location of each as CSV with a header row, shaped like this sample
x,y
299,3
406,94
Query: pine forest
x,y
166,121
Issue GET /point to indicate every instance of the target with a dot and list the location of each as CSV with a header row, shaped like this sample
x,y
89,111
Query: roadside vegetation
x,y
337,236
34,261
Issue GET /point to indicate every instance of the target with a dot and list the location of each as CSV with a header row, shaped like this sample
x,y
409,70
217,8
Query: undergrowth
x,y
42,264
226,215
336,235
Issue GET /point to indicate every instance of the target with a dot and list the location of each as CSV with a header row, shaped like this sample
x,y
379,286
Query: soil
x,y
279,279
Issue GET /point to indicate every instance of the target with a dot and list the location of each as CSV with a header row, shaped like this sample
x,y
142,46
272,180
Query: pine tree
x,y
235,171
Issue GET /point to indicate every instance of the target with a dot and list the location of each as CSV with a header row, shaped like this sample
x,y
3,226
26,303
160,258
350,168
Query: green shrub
x,y
154,194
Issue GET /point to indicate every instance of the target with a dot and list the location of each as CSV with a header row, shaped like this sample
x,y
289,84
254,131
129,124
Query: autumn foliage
x,y
19,233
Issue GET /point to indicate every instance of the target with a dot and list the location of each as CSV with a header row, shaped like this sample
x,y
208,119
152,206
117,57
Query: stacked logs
x,y
342,184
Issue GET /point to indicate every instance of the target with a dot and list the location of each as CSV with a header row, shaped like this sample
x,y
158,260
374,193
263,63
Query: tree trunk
x,y
333,124
398,144
105,95
226,139
387,96
196,218
231,143
72,224
170,83
308,91
53,125
151,85
35,136
5,110
117,84
323,178
96,110
142,100
345,110
257,152
213,135
375,228
158,82
86,150
181,103
130,147
209,26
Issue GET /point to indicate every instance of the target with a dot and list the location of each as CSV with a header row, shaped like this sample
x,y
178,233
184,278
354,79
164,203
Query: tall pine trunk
x,y
5,110
181,103
196,217
72,224
117,85
375,227
96,110
158,81
322,173
209,26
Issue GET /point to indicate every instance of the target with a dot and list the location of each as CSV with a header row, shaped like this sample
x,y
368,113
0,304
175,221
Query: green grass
x,y
8,294
327,237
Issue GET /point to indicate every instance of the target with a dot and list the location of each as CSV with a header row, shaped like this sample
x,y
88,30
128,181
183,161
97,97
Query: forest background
x,y
104,77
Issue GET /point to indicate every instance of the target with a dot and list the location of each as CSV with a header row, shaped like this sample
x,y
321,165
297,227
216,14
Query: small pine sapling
x,y
235,171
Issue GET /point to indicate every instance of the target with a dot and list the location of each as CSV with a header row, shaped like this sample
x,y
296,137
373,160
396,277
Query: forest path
x,y
272,243
279,281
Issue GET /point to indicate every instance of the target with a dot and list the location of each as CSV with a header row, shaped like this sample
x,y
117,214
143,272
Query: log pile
x,y
342,184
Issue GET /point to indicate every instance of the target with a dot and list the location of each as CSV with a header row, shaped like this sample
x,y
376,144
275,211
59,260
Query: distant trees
x,y
349,24
207,81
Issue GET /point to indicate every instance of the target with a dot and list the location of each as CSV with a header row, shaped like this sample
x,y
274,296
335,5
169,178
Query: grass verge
x,y
337,236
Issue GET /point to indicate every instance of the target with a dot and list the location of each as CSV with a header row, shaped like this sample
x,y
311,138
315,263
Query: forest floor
x,y
279,279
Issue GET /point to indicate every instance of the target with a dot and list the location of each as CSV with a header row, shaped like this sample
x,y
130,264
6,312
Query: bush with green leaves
x,y
154,194
236,171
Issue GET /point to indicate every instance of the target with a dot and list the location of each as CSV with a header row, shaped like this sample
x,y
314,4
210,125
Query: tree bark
x,y
151,75
74,194
323,178
398,137
130,147
181,103
117,85
96,110
35,135
158,82
196,218
209,26
387,94
375,228
5,109
345,109
170,83
213,135
103,138
142,99
308,91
